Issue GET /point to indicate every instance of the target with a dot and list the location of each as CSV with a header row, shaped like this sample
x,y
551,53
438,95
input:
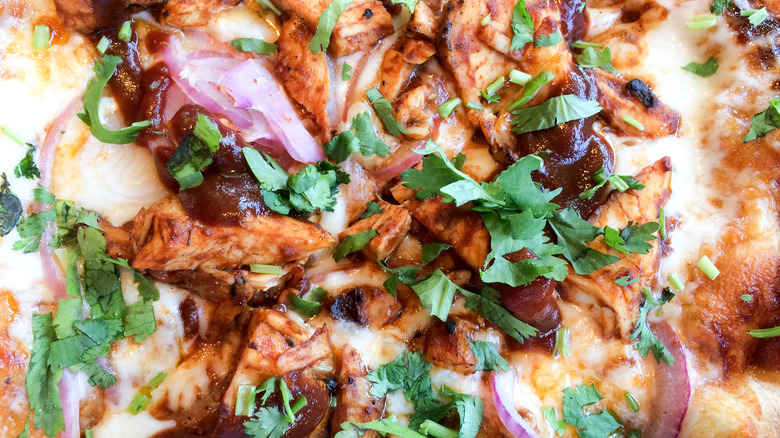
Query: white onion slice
x,y
504,399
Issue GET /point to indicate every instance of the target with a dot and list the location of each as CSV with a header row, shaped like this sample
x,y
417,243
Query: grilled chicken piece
x,y
392,224
359,27
399,63
457,226
190,13
305,75
198,413
277,347
634,98
353,399
88,15
447,344
168,239
366,306
424,21
639,206
412,111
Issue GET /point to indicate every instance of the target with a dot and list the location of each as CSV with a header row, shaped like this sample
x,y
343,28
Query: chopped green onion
x,y
579,44
13,135
633,122
156,380
706,266
449,106
702,22
299,404
474,106
755,16
619,184
518,77
126,31
266,269
436,430
675,282
102,45
495,86
245,400
632,401
41,36
88,434
333,402
140,401
485,20
748,298
561,342
765,333
268,5
662,222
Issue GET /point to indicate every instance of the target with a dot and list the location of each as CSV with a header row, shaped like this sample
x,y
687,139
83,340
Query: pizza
x,y
413,218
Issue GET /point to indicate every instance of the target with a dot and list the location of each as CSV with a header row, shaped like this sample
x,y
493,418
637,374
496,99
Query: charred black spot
x,y
346,306
451,326
368,14
638,89
331,384
350,380
290,342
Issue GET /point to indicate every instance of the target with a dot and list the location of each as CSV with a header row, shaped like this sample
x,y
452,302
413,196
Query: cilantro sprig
x,y
487,356
590,425
384,109
552,112
764,122
363,140
27,167
91,116
647,339
321,39
313,187
522,26
270,422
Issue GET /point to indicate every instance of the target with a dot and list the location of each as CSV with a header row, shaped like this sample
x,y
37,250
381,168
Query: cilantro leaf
x,y
139,321
313,187
364,140
718,7
354,243
311,306
635,237
626,280
647,339
253,45
41,382
185,165
401,373
369,142
573,232
91,99
372,208
551,39
321,39
621,182
592,57
488,358
384,109
705,70
267,423
470,411
432,250
590,425
493,312
27,167
765,122
436,292
552,112
522,26
408,3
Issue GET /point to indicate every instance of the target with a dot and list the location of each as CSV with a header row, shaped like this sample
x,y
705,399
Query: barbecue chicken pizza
x,y
409,218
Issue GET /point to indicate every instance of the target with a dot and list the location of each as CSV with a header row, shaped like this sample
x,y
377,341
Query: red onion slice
x,y
252,86
672,387
69,396
504,399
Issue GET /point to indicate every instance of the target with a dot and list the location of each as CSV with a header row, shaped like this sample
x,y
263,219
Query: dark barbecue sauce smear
x,y
577,151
